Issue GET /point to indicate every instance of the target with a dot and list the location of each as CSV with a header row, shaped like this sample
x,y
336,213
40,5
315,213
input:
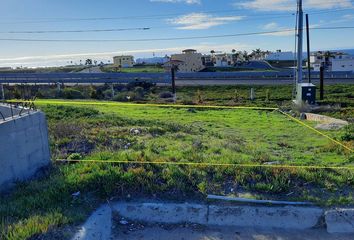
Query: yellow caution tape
x,y
205,164
144,104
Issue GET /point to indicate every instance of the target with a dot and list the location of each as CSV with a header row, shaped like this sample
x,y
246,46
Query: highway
x,y
260,81
161,79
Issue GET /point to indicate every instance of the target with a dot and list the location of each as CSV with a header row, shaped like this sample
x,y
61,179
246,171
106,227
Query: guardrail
x,y
158,78
16,109
83,77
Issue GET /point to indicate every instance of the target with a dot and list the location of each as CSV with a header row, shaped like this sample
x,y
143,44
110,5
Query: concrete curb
x,y
163,212
265,217
340,220
98,226
215,215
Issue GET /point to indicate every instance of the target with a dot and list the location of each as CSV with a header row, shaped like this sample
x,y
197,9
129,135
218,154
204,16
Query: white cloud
x,y
195,21
348,17
179,1
273,26
290,5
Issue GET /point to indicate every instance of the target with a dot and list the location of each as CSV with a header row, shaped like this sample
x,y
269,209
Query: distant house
x,y
5,68
332,61
123,61
154,60
208,61
192,61
224,60
280,56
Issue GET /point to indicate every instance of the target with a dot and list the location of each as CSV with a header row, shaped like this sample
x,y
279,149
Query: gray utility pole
x,y
300,34
306,92
308,48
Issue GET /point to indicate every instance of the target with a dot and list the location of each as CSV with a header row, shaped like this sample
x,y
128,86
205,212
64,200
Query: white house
x,y
343,64
224,60
334,61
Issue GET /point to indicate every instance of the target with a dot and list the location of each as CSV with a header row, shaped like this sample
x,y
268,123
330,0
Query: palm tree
x,y
257,53
88,62
327,58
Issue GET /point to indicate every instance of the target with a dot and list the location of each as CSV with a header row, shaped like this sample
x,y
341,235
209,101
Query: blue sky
x,y
166,18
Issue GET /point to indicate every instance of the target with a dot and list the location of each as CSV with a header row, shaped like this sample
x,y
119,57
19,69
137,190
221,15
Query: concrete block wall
x,y
24,147
324,119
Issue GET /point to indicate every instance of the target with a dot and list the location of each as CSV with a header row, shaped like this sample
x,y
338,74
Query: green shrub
x,y
349,133
70,93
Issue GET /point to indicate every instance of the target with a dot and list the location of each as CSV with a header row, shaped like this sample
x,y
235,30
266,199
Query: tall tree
x,y
88,62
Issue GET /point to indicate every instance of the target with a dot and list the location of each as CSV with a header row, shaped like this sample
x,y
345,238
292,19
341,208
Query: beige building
x,y
123,61
192,61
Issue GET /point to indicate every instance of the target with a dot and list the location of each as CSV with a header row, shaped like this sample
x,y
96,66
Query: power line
x,y
246,19
170,39
161,16
81,31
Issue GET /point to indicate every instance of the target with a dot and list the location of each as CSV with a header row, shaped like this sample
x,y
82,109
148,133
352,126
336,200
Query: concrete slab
x,y
340,221
97,227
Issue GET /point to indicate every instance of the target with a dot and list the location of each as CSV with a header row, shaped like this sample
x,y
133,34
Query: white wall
x,y
343,64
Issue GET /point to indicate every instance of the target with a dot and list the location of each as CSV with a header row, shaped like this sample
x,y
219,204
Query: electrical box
x,y
306,92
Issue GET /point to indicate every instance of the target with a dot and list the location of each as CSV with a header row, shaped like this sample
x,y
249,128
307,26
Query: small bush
x,y
75,156
166,95
70,93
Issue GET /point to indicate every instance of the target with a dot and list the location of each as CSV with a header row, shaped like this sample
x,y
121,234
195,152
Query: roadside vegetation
x,y
136,69
65,69
63,195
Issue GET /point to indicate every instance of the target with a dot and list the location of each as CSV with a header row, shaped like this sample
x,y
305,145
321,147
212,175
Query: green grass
x,y
102,131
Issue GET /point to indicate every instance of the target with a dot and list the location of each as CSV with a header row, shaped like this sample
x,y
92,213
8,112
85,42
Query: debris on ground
x,y
329,126
76,194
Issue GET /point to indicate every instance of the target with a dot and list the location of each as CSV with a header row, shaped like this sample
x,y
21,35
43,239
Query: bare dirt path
x,y
218,233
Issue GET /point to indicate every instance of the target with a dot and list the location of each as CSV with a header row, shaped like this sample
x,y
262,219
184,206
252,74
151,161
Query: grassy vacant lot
x,y
339,97
111,131
135,69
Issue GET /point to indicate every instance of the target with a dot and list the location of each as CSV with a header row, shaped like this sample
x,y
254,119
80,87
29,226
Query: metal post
x,y
112,88
299,41
58,88
252,94
321,82
173,83
2,92
308,49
